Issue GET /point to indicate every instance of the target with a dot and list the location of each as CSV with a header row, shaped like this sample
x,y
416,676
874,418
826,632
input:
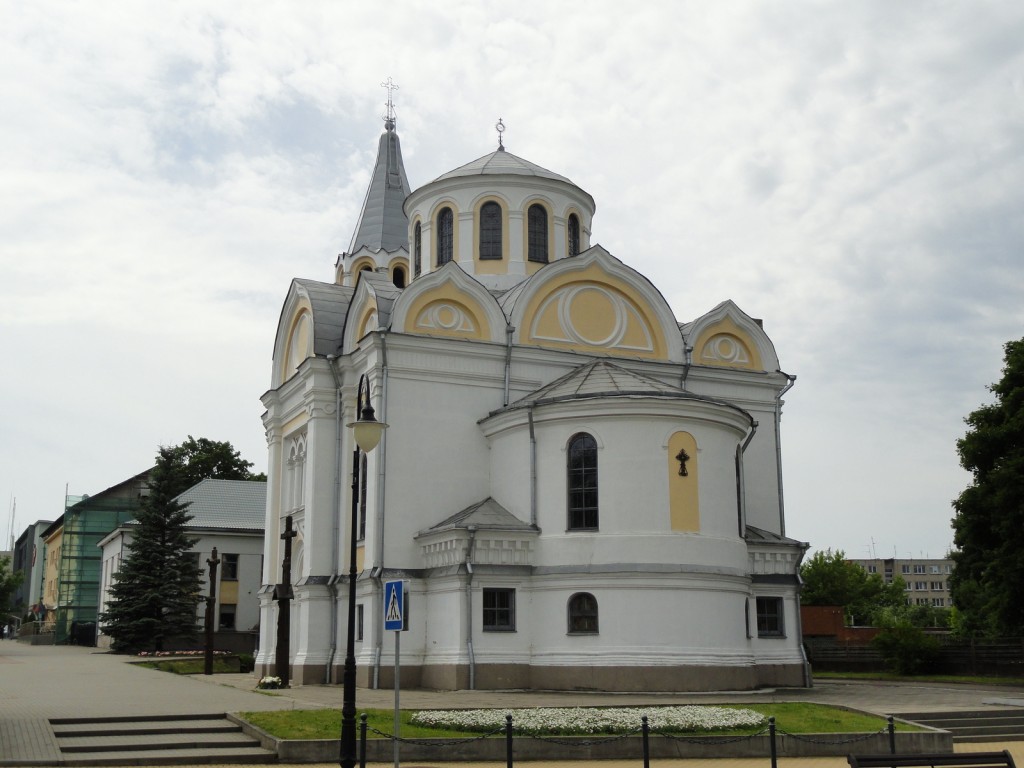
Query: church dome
x,y
499,217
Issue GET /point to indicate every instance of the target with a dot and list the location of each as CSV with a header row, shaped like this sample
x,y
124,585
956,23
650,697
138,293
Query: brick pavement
x,y
42,682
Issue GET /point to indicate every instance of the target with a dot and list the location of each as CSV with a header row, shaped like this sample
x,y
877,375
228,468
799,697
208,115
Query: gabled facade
x,y
228,515
582,491
29,562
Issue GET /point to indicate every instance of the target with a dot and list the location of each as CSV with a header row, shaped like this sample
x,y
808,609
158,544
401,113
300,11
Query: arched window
x,y
362,496
490,231
537,228
417,250
398,277
582,483
445,234
582,614
574,234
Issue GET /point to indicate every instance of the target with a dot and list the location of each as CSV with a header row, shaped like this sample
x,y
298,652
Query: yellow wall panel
x,y
683,499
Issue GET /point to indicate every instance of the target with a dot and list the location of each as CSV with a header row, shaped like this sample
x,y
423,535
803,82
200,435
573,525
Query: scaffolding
x,y
87,520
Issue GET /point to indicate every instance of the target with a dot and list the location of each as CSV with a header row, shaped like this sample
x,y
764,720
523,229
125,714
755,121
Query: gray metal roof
x,y
502,162
382,223
485,515
761,536
330,306
227,504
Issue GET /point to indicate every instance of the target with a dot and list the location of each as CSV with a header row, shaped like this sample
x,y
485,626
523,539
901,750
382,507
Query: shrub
x,y
907,649
246,662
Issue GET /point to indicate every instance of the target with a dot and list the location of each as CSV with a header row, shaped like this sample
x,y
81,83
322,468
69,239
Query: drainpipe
x,y
378,556
808,677
741,483
332,582
469,606
686,366
533,468
509,330
778,447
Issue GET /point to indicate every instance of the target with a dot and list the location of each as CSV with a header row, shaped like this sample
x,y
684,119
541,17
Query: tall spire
x,y
382,222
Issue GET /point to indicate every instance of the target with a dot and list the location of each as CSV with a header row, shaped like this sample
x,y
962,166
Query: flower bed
x,y
586,720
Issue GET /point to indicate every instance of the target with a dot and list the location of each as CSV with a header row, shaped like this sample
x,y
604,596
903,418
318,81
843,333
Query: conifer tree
x,y
987,583
157,590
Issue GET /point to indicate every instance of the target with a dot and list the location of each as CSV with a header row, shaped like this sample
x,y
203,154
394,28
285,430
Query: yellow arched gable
x,y
299,345
683,499
593,311
726,344
447,311
367,320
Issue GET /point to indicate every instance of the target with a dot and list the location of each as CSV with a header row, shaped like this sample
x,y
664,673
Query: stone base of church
x,y
525,677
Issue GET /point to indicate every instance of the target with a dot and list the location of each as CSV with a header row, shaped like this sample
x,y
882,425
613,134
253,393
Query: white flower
x,y
580,720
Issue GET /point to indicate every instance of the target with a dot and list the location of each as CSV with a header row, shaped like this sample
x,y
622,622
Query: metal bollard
x,y
771,737
646,729
892,736
362,740
508,741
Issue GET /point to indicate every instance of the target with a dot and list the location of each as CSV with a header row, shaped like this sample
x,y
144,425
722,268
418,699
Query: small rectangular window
x,y
905,568
227,617
229,567
769,617
499,610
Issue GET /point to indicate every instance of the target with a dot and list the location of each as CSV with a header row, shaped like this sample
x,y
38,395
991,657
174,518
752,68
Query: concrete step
x,y
974,725
156,740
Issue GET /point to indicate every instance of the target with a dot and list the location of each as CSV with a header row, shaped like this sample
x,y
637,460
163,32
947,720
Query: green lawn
x,y
789,717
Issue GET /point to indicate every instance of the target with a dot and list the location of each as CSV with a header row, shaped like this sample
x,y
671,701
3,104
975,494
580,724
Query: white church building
x,y
582,491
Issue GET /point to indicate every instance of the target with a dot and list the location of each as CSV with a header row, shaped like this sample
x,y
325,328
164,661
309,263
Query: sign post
x,y
394,621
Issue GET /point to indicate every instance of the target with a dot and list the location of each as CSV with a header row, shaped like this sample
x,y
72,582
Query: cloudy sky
x,y
851,172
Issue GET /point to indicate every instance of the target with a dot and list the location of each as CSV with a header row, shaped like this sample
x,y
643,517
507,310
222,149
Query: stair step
x,y
243,755
142,728
136,719
162,741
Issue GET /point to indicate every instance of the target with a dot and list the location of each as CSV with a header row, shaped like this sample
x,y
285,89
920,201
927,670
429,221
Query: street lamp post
x,y
366,431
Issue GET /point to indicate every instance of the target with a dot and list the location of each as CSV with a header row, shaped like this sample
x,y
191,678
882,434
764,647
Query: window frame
x,y
577,614
491,615
417,249
445,236
770,623
227,609
489,243
225,558
573,235
582,484
537,235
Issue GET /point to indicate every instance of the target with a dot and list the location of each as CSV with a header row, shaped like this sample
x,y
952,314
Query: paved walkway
x,y
42,682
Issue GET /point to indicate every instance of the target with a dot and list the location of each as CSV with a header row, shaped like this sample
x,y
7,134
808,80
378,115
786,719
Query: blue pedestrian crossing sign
x,y
394,605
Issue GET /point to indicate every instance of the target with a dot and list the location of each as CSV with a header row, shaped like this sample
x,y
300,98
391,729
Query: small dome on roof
x,y
502,162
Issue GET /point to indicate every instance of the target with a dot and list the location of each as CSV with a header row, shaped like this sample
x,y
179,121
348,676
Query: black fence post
x,y
646,729
362,740
508,741
771,739
892,735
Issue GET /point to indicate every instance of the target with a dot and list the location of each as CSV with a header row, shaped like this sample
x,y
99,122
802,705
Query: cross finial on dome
x,y
389,116
500,128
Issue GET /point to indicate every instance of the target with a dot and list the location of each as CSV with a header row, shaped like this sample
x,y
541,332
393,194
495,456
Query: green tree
x,y
830,579
195,460
987,583
9,580
156,594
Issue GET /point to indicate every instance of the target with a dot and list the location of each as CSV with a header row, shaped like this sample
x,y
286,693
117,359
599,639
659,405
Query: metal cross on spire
x,y
389,117
500,128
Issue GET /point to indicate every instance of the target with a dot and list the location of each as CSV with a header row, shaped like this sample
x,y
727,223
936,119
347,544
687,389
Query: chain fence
x,y
644,730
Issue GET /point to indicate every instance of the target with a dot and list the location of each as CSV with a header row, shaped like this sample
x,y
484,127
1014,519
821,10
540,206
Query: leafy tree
x,y
196,460
830,579
987,583
9,580
906,648
156,594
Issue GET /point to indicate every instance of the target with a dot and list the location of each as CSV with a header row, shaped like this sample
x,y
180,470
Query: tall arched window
x,y
537,229
490,231
445,234
582,483
417,250
398,277
574,234
362,496
582,614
